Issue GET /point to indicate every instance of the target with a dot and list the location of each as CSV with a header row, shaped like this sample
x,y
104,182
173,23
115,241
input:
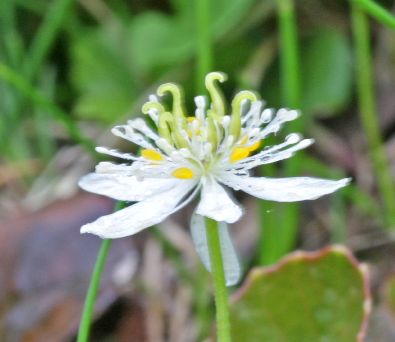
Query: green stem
x,y
203,42
376,11
218,274
86,319
290,78
278,239
45,36
204,64
368,112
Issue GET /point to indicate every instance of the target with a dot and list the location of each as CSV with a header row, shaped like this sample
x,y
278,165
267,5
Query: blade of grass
x,y
10,76
368,112
45,37
11,52
278,239
42,118
377,11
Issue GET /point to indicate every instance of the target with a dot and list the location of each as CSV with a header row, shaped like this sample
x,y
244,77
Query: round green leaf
x,y
326,72
320,296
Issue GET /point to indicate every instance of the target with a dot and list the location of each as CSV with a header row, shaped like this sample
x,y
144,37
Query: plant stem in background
x,y
289,59
204,64
218,275
279,233
45,36
203,42
376,11
86,319
368,112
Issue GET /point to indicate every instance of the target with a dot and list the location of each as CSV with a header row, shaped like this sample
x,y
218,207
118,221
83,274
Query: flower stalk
x,y
218,275
86,319
90,299
368,112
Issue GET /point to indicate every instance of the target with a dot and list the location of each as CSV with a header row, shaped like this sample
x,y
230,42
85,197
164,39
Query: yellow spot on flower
x,y
254,146
183,173
151,155
190,119
239,153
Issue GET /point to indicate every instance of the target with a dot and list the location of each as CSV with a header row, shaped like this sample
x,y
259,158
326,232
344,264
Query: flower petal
x,y
274,153
283,189
217,204
123,187
141,215
229,257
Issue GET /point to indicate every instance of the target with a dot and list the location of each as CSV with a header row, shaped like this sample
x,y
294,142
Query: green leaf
x,y
326,72
160,40
319,296
102,74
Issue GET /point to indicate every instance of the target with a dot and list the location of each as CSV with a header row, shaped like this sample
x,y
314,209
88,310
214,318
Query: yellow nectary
x,y
151,155
183,173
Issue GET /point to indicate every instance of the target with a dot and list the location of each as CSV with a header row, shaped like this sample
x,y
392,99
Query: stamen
x,y
178,98
165,123
152,105
200,102
244,140
218,103
183,173
151,155
237,103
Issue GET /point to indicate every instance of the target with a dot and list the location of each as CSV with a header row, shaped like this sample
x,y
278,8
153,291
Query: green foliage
x,y
102,73
111,62
160,40
319,296
326,72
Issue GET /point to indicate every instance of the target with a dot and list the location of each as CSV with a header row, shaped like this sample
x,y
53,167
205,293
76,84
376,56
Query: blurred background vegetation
x,y
69,70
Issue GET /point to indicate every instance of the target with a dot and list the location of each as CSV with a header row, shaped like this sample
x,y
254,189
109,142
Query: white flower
x,y
206,153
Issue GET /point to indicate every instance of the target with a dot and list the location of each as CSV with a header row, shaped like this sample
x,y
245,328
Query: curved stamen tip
x,y
237,104
217,98
152,105
215,76
178,97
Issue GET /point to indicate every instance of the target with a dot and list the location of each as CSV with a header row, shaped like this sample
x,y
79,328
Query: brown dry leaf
x,y
45,269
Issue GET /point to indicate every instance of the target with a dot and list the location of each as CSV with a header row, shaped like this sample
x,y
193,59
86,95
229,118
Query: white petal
x,y
274,153
141,215
217,204
128,133
283,189
124,187
116,153
229,257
